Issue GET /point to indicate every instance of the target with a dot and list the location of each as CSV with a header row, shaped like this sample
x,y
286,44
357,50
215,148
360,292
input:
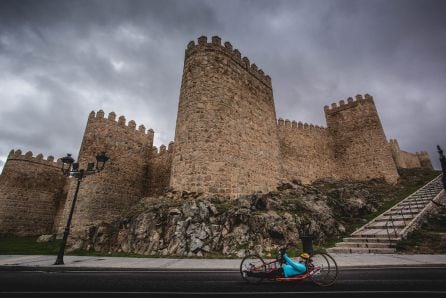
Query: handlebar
x,y
283,249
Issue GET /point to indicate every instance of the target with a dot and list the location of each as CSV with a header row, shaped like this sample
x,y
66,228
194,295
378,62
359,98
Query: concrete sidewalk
x,y
35,262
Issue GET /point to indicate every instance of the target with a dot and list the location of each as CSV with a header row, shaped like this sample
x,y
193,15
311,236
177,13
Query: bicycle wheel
x,y
252,269
333,268
323,269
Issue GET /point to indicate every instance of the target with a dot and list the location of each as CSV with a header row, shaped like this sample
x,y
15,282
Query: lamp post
x,y
71,168
443,165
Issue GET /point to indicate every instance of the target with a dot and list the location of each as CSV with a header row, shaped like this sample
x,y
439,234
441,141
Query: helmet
x,y
304,256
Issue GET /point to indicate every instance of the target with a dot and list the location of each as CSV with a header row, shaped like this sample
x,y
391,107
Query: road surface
x,y
398,282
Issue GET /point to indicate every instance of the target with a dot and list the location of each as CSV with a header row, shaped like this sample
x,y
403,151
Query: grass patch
x,y
11,245
14,245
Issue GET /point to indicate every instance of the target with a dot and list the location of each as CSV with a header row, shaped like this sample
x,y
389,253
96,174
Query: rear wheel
x,y
323,269
252,269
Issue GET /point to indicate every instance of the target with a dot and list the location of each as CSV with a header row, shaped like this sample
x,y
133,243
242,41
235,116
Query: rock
x,y
241,253
286,185
244,202
327,180
195,245
213,210
174,211
46,238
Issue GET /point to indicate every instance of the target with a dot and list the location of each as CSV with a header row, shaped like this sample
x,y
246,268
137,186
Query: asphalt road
x,y
399,282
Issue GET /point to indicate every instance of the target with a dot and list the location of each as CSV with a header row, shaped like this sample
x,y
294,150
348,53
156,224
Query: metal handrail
x,y
383,213
402,215
393,226
410,201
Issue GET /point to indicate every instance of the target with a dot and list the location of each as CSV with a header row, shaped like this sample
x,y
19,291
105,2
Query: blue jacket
x,y
291,268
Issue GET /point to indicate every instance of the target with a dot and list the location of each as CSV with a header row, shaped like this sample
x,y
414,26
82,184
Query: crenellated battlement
x,y
130,126
422,153
227,49
342,105
162,150
287,124
28,157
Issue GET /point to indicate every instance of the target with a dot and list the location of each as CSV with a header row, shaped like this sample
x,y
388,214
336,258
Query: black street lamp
x,y
71,168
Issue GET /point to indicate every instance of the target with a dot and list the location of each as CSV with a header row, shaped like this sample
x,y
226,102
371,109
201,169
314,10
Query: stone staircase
x,y
380,234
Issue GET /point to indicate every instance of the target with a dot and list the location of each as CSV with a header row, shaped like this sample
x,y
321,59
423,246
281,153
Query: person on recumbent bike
x,y
291,268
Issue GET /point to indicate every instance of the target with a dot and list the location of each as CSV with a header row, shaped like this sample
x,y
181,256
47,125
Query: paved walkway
x,y
104,263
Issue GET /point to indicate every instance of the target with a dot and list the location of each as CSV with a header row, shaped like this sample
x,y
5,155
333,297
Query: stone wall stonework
x,y
425,160
30,191
306,151
160,165
225,138
404,159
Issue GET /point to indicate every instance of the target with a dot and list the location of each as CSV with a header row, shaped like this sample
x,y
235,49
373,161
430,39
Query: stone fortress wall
x,y
306,151
228,141
404,159
31,189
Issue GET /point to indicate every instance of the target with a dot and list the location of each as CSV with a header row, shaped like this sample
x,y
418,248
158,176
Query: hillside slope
x,y
187,224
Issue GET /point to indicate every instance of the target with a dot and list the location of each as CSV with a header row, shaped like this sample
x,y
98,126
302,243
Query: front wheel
x,y
323,269
252,269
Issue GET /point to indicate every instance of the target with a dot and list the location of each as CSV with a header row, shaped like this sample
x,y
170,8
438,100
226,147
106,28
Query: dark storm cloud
x,y
62,59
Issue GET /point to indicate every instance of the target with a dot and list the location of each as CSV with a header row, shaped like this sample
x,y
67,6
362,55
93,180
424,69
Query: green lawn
x,y
27,245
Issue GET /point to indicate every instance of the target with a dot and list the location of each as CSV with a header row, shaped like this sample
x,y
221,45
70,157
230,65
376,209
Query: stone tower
x,y
103,196
31,189
361,149
226,138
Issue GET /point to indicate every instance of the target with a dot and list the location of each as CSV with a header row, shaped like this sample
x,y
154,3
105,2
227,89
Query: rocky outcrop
x,y
187,224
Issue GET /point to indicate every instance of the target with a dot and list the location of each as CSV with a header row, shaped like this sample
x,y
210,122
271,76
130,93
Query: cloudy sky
x,y
61,59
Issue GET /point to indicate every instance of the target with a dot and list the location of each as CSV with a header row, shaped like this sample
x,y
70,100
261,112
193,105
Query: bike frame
x,y
273,265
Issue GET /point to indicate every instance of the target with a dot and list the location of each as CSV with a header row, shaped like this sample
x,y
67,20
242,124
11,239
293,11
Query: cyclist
x,y
291,268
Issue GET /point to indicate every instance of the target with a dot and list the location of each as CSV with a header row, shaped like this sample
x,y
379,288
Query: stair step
x,y
402,206
361,250
411,205
414,201
406,209
419,202
396,217
364,245
379,233
369,240
396,212
383,224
